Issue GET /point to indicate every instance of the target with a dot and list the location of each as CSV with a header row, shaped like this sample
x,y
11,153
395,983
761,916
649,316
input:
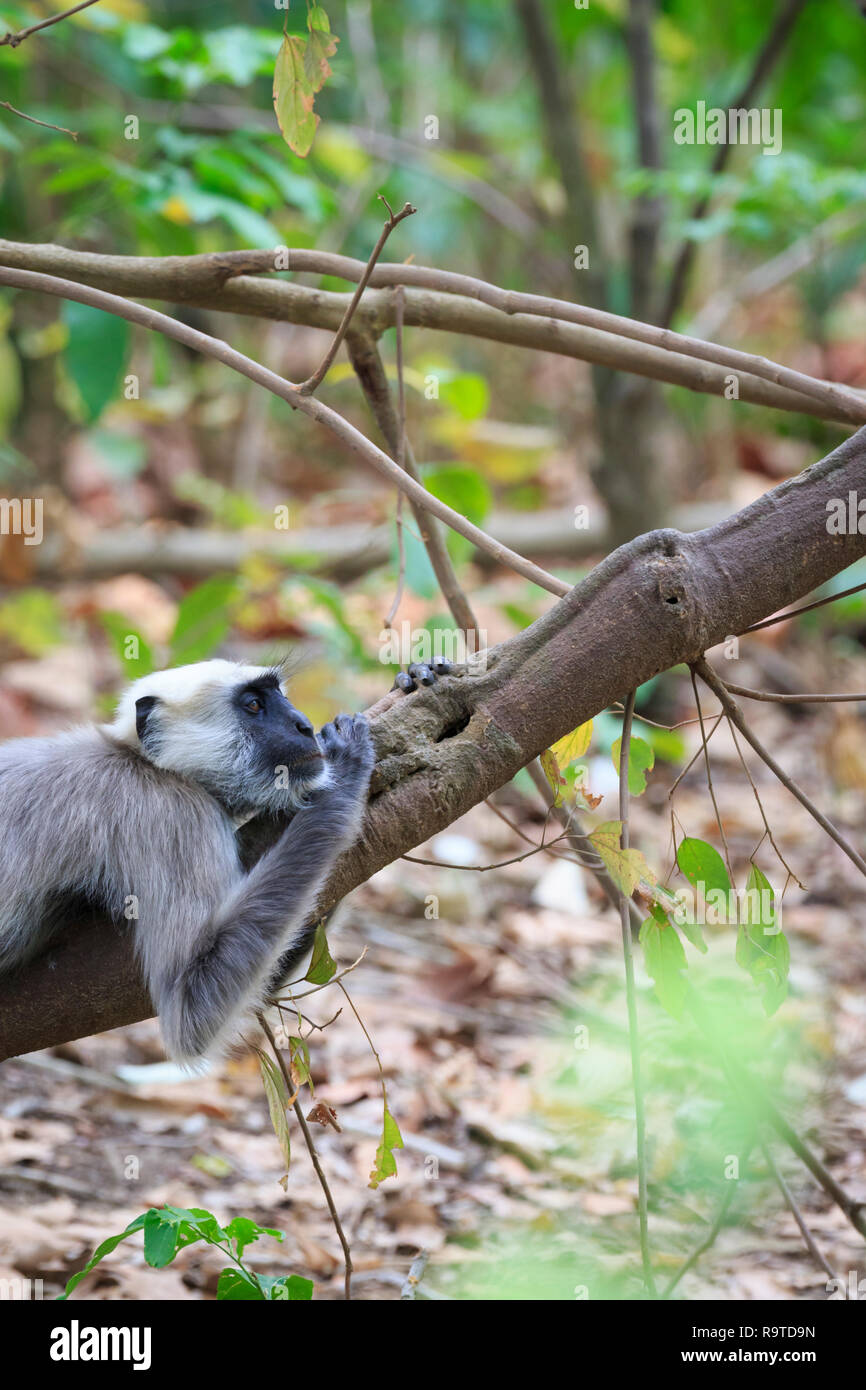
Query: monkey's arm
x,y
270,915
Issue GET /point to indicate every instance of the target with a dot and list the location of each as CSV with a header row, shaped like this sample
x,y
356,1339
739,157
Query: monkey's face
x,y
240,739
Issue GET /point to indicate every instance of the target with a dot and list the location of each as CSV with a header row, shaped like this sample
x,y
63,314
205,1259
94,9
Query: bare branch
x,y
13,40
532,321
306,388
806,608
48,125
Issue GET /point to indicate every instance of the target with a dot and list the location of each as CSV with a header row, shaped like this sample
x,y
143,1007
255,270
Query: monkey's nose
x,y
304,727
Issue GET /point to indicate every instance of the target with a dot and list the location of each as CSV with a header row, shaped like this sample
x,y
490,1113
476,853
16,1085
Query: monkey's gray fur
x,y
139,817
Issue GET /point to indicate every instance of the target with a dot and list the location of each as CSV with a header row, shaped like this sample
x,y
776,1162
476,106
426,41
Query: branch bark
x,y
660,600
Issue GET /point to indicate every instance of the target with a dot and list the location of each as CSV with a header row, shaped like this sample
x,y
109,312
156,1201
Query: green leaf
x,y
641,758
95,354
762,948
236,1286
462,489
665,962
703,866
294,95
468,394
243,1231
293,1287
299,1054
317,19
129,646
161,1233
33,620
321,45
323,967
386,1163
202,619
100,1253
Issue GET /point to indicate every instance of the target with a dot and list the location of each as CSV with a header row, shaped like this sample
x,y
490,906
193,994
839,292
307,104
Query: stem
x,y
308,1139
735,714
307,387
631,999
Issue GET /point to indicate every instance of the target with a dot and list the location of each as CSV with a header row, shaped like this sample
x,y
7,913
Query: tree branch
x,y
448,302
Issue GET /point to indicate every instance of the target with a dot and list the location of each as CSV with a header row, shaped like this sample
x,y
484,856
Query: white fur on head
x,y
179,688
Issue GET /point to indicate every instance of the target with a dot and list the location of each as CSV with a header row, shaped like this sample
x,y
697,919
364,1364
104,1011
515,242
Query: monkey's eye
x,y
252,705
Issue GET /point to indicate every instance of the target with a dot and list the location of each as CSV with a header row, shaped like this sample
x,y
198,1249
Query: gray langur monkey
x,y
138,818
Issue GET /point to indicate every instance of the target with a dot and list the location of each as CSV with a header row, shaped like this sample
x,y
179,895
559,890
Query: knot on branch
x,y
680,583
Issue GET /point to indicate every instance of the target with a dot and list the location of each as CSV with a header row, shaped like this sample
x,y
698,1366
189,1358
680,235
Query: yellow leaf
x,y
293,96
572,748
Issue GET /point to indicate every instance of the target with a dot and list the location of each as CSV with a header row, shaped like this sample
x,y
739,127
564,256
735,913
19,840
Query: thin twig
x,y
631,1000
690,764
773,698
767,831
48,125
370,371
708,1241
710,787
483,868
308,1139
766,59
735,714
806,608
13,40
306,388
401,455
415,1275
786,1192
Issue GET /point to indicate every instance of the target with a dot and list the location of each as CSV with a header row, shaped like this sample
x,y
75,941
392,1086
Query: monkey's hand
x,y
420,673
348,748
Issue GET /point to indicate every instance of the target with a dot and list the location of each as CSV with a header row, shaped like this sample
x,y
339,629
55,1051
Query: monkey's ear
x,y
143,707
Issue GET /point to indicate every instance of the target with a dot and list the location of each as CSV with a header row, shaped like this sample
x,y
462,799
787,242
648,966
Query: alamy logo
x,y
736,126
76,1343
22,516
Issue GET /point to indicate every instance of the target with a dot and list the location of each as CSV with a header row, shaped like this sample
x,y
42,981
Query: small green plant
x,y
170,1229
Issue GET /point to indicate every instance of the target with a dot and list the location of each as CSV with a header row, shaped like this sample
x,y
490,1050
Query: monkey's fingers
x,y
420,673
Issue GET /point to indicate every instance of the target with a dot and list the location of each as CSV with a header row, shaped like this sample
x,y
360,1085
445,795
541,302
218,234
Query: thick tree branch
x,y
658,601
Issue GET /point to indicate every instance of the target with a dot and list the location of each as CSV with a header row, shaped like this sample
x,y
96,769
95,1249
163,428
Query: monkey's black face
x,y
246,744
285,756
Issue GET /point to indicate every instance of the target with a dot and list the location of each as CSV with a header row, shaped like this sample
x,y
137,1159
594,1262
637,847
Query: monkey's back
x,y
82,817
